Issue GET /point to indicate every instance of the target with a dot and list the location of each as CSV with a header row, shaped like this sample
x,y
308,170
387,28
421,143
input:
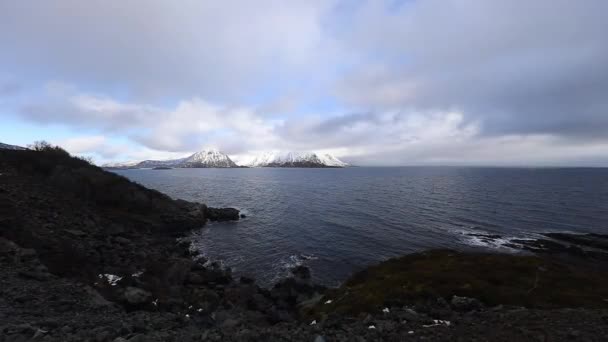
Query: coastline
x,y
70,230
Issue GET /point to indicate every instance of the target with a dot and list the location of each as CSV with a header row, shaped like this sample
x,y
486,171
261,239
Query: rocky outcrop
x,y
222,214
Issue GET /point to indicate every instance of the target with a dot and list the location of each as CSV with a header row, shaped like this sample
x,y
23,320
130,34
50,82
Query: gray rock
x,y
465,303
230,323
75,232
138,338
135,295
122,240
319,338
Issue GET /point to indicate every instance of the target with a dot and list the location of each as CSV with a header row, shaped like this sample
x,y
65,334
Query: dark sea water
x,y
337,221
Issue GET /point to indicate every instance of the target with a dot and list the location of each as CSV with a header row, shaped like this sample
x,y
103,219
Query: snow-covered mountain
x,y
11,147
208,158
296,159
202,159
148,164
121,165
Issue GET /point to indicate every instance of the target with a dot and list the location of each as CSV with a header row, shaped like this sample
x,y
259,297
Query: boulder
x,y
136,296
465,303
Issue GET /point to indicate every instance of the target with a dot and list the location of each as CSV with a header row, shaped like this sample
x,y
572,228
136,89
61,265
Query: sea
x,y
338,221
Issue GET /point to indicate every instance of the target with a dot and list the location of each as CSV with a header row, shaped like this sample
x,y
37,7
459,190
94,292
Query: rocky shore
x,y
87,255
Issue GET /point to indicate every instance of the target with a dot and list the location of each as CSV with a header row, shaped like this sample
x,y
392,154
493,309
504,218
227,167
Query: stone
x,y
178,271
75,232
301,272
319,338
36,275
122,240
136,296
229,323
465,303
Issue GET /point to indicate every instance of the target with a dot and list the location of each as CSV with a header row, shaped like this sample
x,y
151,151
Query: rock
x,y
246,280
96,299
229,323
465,303
8,247
136,296
301,273
122,240
195,278
222,214
75,232
319,338
178,271
138,338
27,253
35,274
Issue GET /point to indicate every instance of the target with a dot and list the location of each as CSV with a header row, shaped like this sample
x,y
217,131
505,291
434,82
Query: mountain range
x,y
295,159
11,147
212,158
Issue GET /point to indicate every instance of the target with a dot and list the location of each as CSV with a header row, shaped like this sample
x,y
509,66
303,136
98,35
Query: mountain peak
x,y
201,159
296,159
209,158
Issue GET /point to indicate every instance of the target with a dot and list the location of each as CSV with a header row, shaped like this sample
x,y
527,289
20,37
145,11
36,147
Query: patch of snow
x,y
438,322
137,274
127,164
313,322
386,310
11,147
371,327
285,158
209,158
112,279
329,301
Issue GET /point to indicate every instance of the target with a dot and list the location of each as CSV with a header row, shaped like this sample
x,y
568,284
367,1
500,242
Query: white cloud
x,y
376,82
216,49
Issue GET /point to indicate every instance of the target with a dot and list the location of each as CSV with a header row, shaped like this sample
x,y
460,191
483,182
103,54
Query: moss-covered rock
x,y
521,280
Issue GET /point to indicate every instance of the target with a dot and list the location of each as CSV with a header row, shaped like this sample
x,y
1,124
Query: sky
x,y
374,82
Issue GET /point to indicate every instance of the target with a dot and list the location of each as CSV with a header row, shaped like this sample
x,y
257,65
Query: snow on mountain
x,y
148,164
202,159
295,159
215,158
208,158
11,147
121,165
331,160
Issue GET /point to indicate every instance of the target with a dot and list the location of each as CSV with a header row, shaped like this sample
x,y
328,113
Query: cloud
x,y
187,126
87,145
375,82
154,48
9,89
536,67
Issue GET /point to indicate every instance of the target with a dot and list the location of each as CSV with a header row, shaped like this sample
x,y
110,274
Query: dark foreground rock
x,y
86,255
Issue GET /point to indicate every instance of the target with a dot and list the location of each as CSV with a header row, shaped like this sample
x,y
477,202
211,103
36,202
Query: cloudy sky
x,y
409,82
